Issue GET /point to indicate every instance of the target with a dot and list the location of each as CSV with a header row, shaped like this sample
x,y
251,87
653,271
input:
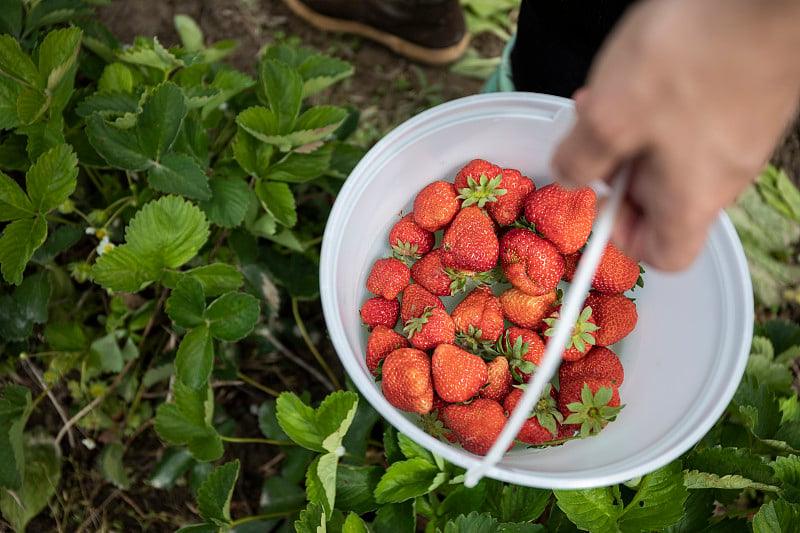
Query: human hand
x,y
695,94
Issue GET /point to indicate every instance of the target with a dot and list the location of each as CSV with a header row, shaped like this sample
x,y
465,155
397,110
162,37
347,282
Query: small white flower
x,y
89,443
105,245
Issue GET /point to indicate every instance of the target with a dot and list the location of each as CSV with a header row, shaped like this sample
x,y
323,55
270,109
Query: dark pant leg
x,y
557,40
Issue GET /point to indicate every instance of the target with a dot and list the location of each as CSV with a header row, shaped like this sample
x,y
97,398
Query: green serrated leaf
x,y
228,203
321,481
14,203
320,429
283,88
15,403
217,278
277,199
596,510
149,53
116,78
170,468
355,488
187,303
777,516
106,354
724,461
252,154
473,522
787,473
16,64
9,94
179,174
354,524
301,167
214,495
408,479
321,71
19,240
118,147
195,358
163,111
232,316
58,58
42,476
658,502
190,33
52,178
121,269
312,519
694,479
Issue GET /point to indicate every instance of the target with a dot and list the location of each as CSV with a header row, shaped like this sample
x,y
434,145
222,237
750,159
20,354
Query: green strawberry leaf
x,y
112,465
321,71
215,493
116,78
26,307
14,203
281,497
252,154
312,519
658,502
42,475
320,429
396,517
283,88
277,200
232,316
149,53
118,147
301,167
16,64
777,516
170,468
160,121
9,94
474,522
195,358
15,403
758,408
321,481
19,240
354,524
187,303
787,473
355,488
596,510
216,278
190,33
730,461
120,269
58,58
512,503
408,479
228,203
179,174
188,421
31,105
52,178
694,479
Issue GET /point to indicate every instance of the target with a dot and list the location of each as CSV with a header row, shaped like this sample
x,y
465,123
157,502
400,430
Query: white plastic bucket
x,y
683,362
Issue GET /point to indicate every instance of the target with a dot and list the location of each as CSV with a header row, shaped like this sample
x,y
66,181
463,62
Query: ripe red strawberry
x,y
508,207
434,424
614,314
588,404
478,318
524,349
406,380
617,272
571,265
545,420
457,374
476,425
379,311
479,183
429,272
500,380
582,338
599,362
382,341
563,216
388,277
525,310
470,242
530,263
409,240
430,329
436,205
414,300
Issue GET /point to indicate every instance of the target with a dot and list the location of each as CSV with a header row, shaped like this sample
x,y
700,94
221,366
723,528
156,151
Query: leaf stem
x,y
253,383
266,516
254,440
301,325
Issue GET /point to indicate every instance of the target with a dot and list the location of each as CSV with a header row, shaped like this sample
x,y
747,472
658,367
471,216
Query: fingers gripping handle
x,y
570,309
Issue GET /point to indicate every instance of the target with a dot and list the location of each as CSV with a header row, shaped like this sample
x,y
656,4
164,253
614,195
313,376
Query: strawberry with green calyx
x,y
457,374
478,317
524,349
500,380
615,315
588,404
461,280
599,362
414,300
378,310
529,262
406,380
544,423
508,207
430,329
526,310
479,183
617,272
582,338
429,272
388,277
562,216
433,422
470,242
409,240
381,342
476,425
436,205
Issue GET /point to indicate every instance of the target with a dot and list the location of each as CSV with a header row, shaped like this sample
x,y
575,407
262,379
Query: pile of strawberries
x,y
503,248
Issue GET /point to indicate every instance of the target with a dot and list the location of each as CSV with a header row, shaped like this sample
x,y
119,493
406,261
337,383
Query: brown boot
x,y
428,31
